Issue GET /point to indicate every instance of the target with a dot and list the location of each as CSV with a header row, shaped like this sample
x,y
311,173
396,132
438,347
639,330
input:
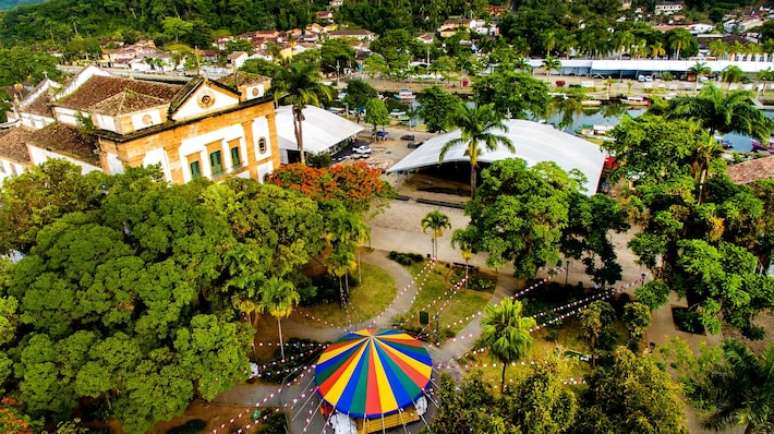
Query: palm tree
x,y
462,241
657,50
736,386
346,231
718,49
551,63
641,48
278,298
766,76
550,42
478,126
299,85
732,74
506,333
699,69
723,112
678,40
623,42
435,222
522,65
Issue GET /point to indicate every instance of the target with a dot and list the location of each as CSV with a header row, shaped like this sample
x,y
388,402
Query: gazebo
x,y
372,380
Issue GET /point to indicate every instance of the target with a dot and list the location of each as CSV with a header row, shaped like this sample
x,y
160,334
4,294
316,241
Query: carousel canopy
x,y
369,373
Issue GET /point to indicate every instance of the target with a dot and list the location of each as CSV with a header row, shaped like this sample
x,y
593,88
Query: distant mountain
x,y
10,4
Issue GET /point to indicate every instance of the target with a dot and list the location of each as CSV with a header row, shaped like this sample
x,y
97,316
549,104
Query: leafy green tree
x,y
240,45
299,85
514,94
335,55
375,65
21,64
506,334
376,113
437,107
541,403
731,383
261,67
478,128
590,220
213,352
518,214
435,222
630,394
177,27
40,196
723,112
359,92
278,298
594,320
636,318
700,69
465,408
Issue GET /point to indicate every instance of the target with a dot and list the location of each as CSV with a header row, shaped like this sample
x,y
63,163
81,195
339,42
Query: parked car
x,y
362,150
414,145
407,137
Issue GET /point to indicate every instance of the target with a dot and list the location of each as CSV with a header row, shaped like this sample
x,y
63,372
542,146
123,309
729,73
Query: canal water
x,y
573,120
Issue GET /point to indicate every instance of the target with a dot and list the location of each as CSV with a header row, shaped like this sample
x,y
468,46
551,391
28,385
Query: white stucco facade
x,y
40,156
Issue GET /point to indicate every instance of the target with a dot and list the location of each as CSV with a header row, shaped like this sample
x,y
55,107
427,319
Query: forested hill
x,y
58,21
10,4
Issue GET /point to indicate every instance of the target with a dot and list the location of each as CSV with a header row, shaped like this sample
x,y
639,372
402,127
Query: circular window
x,y
255,91
206,100
147,119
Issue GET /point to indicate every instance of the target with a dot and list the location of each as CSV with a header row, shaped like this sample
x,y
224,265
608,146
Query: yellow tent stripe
x,y
329,354
386,396
334,394
423,369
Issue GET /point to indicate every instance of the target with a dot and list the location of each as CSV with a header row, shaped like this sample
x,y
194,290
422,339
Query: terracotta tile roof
x,y
40,106
68,141
243,78
127,102
98,89
13,145
752,170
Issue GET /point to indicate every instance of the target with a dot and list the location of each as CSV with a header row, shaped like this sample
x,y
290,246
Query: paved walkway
x,y
400,304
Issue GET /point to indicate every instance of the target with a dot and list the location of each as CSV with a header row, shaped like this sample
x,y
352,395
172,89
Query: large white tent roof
x,y
321,128
534,143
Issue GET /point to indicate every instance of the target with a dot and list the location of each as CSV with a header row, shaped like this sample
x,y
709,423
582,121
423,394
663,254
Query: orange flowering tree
x,y
11,419
356,185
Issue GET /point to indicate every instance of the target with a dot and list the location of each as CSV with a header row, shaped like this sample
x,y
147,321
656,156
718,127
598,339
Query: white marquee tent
x,y
322,130
534,142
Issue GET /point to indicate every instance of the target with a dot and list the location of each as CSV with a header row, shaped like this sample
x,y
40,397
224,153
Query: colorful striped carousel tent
x,y
370,374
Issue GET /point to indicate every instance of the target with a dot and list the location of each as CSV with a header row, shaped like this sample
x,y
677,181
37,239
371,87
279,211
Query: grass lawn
x,y
367,300
564,337
462,303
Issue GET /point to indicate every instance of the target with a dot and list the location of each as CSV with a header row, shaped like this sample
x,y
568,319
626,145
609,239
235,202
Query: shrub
x,y
405,258
275,424
687,320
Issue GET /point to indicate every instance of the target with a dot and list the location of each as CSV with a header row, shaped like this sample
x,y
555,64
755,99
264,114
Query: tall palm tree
x,y
478,127
346,231
550,42
623,42
299,85
523,65
278,298
551,63
732,74
766,76
435,222
737,388
723,112
679,40
657,50
506,333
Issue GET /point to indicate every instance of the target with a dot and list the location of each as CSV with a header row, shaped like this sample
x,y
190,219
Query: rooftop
x,y
243,78
66,140
98,89
127,101
13,145
752,170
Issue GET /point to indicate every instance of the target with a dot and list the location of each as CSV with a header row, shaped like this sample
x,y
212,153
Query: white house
x,y
668,7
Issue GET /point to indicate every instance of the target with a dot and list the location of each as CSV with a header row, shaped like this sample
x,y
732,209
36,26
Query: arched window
x,y
262,145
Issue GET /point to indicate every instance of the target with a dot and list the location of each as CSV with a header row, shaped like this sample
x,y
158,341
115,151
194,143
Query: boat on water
x,y
406,94
397,113
591,103
760,147
636,101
